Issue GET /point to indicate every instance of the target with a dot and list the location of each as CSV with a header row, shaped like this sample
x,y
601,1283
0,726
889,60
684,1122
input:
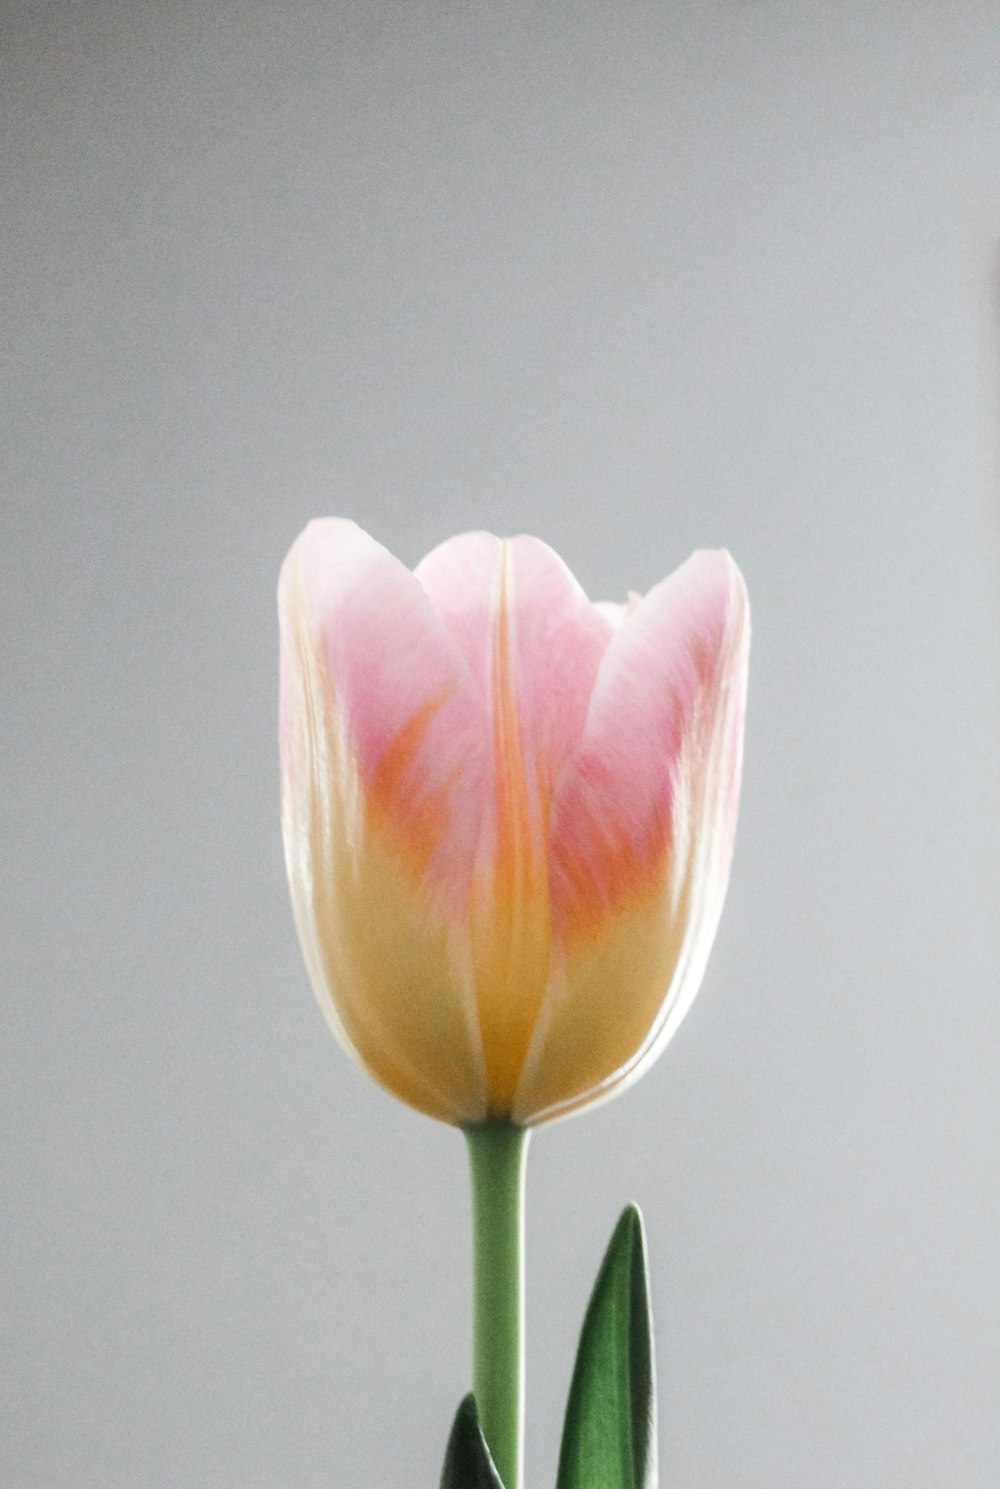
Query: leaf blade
x,y
609,1433
467,1460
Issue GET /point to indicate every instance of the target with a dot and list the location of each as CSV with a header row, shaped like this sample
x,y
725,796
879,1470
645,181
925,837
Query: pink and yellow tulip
x,y
508,812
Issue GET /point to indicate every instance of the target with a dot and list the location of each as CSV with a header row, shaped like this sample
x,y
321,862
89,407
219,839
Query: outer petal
x,y
383,771
641,840
533,644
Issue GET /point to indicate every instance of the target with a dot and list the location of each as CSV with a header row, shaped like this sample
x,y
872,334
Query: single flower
x,y
508,813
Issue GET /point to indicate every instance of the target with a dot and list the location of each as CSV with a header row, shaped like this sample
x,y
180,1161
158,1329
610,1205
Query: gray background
x,y
637,278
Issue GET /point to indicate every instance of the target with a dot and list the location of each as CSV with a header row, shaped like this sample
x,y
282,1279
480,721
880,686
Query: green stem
x,y
497,1152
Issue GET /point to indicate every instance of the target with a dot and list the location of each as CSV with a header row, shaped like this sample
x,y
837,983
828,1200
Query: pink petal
x,y
383,772
533,644
642,832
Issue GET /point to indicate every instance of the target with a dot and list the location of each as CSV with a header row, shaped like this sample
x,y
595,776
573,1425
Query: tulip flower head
x,y
508,812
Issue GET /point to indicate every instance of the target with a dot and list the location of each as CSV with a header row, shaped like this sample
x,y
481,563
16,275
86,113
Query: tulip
x,y
508,815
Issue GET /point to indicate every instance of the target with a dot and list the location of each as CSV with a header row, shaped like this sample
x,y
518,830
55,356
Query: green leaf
x,y
467,1463
609,1435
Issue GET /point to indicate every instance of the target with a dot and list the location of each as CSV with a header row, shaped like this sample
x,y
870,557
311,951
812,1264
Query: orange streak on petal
x,y
511,912
604,873
399,797
514,847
